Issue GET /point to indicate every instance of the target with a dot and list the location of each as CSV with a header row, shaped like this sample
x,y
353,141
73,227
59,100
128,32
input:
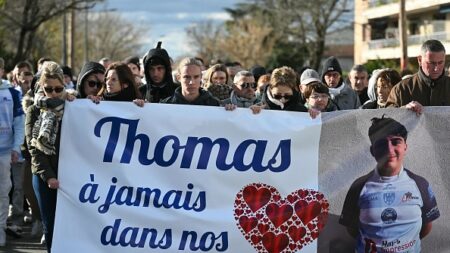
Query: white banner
x,y
170,178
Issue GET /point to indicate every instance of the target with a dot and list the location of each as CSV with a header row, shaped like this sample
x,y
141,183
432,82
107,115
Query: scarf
x,y
242,102
336,91
273,100
45,129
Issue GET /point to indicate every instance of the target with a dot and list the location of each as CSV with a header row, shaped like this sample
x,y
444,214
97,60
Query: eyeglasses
x,y
280,96
93,84
319,96
248,85
51,89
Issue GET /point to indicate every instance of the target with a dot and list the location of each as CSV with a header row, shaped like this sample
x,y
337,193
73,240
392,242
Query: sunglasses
x,y
248,85
51,89
279,96
93,84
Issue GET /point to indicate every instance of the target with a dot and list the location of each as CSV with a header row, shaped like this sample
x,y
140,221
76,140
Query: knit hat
x,y
331,64
308,76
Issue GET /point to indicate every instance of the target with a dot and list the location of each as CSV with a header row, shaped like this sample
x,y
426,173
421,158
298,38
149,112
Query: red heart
x,y
297,233
306,212
268,222
275,243
256,198
256,239
247,224
263,228
278,214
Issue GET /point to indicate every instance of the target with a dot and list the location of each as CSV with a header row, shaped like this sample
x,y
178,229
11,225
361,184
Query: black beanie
x,y
331,64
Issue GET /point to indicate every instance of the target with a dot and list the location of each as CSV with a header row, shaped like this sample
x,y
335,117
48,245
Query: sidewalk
x,y
24,244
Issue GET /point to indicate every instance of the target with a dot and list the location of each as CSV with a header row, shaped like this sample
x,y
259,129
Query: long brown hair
x,y
125,77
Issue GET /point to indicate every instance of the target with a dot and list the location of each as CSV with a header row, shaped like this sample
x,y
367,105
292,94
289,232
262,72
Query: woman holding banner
x,y
43,131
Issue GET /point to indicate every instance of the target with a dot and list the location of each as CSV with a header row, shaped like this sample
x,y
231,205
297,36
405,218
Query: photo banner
x,y
177,178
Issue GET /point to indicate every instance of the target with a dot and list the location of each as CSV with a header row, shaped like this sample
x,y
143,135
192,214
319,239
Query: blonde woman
x,y
43,131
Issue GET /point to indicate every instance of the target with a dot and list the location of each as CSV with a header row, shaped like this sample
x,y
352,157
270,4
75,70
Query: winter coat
x,y
422,89
205,98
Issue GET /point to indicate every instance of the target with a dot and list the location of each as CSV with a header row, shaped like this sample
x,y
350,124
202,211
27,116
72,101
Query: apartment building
x,y
376,27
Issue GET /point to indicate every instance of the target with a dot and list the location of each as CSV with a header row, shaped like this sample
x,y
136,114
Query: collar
x,y
336,91
427,80
388,179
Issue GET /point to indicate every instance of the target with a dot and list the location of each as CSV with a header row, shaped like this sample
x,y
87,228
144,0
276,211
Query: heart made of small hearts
x,y
275,225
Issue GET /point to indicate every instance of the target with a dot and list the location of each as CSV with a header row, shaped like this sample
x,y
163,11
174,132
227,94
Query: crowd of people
x,y
32,106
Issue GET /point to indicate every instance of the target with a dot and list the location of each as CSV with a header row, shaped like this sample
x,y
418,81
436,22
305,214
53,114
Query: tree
x,y
24,17
207,39
109,34
247,40
299,27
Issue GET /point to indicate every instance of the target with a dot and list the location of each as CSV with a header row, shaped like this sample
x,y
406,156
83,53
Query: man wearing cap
x,y
429,86
158,75
391,208
343,95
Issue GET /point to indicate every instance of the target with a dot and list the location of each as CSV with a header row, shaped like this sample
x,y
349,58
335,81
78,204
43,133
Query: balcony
x,y
412,40
376,3
390,8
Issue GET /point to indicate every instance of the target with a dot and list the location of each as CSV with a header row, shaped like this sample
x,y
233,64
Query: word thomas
x,y
171,144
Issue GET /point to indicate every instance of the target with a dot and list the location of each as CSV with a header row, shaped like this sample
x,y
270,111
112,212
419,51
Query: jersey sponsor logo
x,y
397,246
389,198
389,216
386,243
409,196
389,187
371,197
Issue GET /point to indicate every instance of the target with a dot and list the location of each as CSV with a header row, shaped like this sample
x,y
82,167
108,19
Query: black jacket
x,y
293,104
205,98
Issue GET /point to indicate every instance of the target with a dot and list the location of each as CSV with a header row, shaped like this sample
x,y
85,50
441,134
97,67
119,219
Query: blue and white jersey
x,y
389,212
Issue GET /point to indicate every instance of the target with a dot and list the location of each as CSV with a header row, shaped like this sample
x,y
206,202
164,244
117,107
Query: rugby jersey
x,y
389,212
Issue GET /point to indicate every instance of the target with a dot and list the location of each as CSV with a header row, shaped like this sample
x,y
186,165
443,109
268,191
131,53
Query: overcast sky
x,y
168,19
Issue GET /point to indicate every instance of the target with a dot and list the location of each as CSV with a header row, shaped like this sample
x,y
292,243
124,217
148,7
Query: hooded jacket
x,y
152,91
205,98
88,68
422,89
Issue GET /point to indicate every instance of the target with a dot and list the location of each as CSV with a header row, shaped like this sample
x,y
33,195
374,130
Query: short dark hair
x,y
384,127
391,76
317,87
434,46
